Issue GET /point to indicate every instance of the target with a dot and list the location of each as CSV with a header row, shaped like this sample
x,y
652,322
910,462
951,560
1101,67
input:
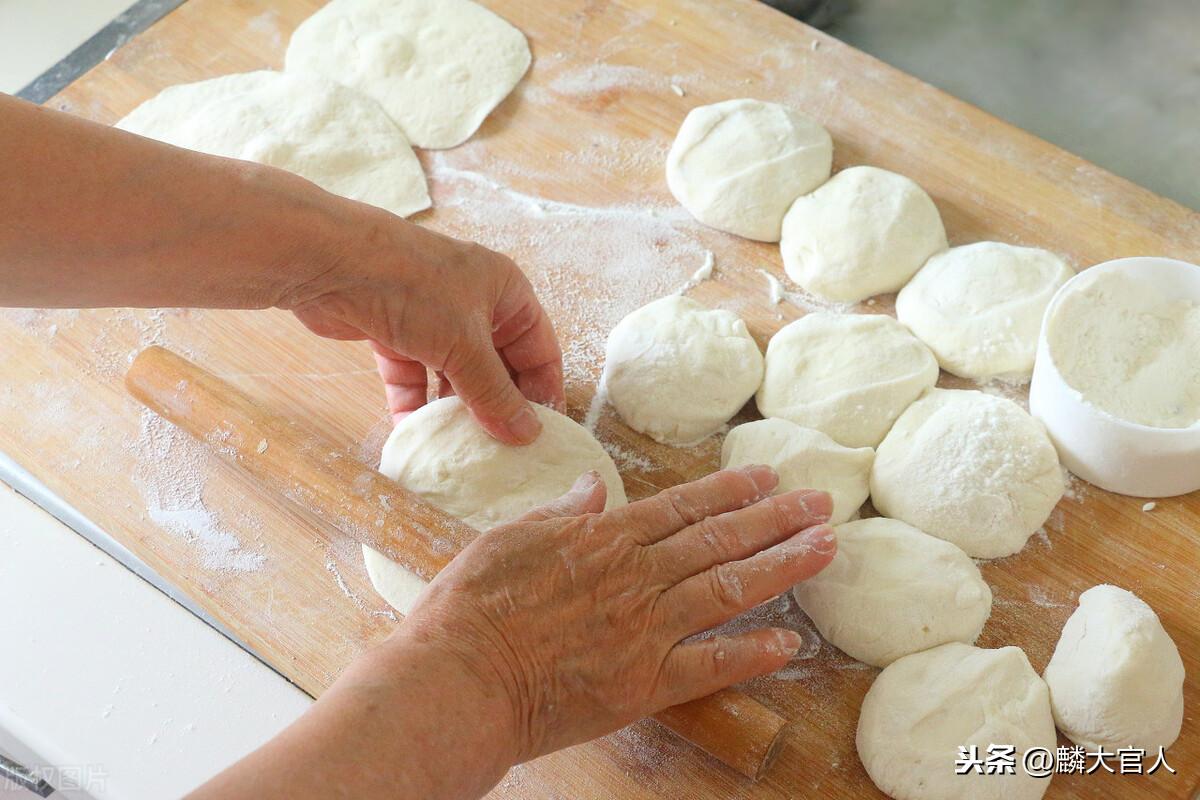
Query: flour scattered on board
x,y
170,473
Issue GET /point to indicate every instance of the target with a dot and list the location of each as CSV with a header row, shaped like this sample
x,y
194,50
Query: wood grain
x,y
566,176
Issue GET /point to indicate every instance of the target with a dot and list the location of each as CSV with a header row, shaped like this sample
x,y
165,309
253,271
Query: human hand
x,y
578,619
428,301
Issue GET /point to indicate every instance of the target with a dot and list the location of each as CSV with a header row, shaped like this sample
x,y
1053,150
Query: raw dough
x,y
968,467
738,165
847,375
1129,349
804,459
440,453
1116,679
924,707
677,371
865,232
333,136
892,590
979,307
438,67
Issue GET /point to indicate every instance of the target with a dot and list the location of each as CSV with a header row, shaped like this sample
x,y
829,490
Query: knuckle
x,y
724,589
720,539
680,505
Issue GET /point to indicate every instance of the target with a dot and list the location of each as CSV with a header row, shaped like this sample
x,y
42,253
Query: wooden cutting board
x,y
567,177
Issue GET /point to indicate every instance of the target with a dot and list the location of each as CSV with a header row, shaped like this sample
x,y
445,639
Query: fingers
x,y
720,593
405,382
655,518
738,534
586,496
525,337
697,669
480,378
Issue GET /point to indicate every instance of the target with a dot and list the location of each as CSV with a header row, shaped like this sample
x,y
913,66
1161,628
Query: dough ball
x,y
892,590
923,707
979,307
1116,679
847,375
438,67
441,454
968,467
804,459
865,232
333,136
738,165
677,371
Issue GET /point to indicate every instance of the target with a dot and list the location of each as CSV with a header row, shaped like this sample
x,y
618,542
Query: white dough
x,y
892,590
968,467
1116,678
1129,349
924,707
847,375
865,232
677,371
804,459
441,454
438,67
738,165
333,136
979,307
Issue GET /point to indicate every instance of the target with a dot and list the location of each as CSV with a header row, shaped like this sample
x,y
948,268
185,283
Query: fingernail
x,y
524,426
585,482
820,539
788,642
817,504
765,479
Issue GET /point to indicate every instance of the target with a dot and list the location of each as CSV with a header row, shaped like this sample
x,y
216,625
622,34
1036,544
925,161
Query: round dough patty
x,y
922,708
847,375
979,307
335,137
442,455
677,371
438,67
968,467
864,232
893,590
738,165
804,459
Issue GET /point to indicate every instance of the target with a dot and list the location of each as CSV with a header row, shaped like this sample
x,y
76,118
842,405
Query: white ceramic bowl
x,y
1112,453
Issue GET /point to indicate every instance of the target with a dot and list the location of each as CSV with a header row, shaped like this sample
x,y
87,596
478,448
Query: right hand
x,y
580,619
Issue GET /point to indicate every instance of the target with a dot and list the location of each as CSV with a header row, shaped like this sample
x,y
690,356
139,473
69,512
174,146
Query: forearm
x,y
91,216
404,721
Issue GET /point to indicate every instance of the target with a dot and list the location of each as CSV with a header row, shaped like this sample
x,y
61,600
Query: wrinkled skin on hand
x,y
583,616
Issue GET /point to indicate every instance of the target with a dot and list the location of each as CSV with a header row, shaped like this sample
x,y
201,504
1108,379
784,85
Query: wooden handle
x,y
371,509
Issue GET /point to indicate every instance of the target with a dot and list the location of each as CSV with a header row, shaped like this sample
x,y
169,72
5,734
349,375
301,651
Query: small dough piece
x,y
979,307
847,375
968,467
804,459
893,590
441,454
738,165
438,67
864,232
333,136
924,707
1129,346
1116,678
677,371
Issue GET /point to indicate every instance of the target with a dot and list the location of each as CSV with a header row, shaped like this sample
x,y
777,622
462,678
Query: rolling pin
x,y
373,510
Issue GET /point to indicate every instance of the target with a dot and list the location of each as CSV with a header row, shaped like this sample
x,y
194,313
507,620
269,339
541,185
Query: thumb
x,y
483,383
587,496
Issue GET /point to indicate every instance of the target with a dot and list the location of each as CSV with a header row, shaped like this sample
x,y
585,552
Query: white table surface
x,y
107,682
